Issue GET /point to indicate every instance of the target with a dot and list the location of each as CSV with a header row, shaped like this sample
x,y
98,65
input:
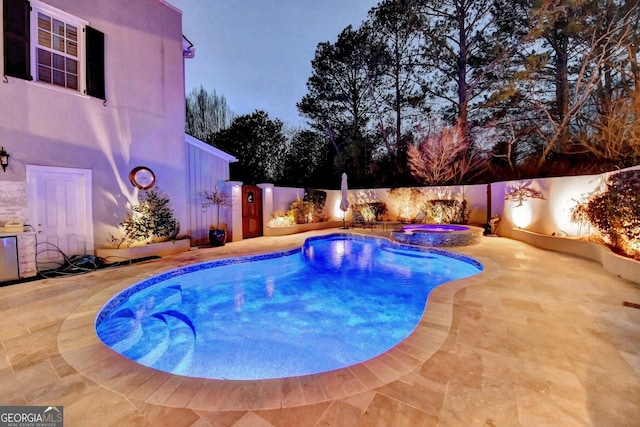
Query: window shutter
x,y
95,63
15,18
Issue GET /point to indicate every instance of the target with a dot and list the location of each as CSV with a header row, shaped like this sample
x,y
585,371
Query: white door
x,y
61,214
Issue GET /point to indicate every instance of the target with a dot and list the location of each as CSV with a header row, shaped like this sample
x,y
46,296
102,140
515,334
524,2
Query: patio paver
x,y
539,338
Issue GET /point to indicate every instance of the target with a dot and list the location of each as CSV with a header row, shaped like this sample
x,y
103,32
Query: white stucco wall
x,y
283,196
207,168
549,216
141,122
476,196
552,214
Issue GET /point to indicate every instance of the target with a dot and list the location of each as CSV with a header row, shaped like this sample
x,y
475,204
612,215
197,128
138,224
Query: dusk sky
x,y
257,53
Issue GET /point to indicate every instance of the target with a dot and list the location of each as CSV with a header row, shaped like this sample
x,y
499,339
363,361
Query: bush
x,y
309,209
405,200
318,198
372,211
446,211
615,213
152,218
301,211
281,219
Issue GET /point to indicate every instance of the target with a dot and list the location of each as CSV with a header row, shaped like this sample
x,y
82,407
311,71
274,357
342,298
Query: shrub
x,y
405,200
614,213
309,209
152,218
446,211
301,211
318,198
282,219
372,211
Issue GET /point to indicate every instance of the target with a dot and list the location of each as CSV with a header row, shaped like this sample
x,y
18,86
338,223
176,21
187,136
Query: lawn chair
x,y
419,218
358,220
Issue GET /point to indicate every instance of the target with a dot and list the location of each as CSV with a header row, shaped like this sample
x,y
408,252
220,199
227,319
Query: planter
x,y
217,237
626,268
153,249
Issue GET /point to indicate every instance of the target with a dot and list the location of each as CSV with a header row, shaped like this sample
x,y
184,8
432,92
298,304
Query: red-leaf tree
x,y
445,158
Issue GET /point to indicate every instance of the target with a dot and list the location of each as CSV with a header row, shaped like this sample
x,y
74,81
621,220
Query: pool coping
x,y
82,349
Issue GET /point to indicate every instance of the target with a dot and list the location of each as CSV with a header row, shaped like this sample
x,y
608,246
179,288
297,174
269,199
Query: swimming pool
x,y
336,301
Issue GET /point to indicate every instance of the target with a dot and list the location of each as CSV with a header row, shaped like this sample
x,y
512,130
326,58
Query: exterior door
x,y
251,211
61,214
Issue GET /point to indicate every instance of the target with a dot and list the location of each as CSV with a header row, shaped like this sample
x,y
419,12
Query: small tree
x,y
446,158
206,114
614,213
151,218
259,144
218,198
405,200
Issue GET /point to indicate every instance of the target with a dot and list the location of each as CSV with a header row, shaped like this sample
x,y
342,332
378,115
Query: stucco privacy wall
x,y
476,196
141,122
283,196
552,214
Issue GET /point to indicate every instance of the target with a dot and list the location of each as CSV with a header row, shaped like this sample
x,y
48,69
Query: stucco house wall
x,y
207,169
141,122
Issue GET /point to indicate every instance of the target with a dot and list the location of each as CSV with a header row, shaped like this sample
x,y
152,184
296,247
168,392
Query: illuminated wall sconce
x,y
4,159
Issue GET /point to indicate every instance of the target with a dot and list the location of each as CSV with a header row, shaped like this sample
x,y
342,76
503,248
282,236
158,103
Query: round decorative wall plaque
x,y
142,177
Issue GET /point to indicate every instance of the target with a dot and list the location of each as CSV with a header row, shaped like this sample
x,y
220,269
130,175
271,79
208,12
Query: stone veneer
x,y
13,204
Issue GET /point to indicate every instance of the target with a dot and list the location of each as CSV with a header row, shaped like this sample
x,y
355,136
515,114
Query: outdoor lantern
x,y
4,159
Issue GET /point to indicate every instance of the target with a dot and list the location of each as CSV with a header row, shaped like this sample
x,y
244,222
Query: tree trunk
x,y
463,54
562,79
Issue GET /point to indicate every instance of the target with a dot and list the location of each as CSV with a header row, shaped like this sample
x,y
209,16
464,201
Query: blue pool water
x,y
337,301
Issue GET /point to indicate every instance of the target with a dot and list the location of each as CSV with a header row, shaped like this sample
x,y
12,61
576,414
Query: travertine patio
x,y
539,338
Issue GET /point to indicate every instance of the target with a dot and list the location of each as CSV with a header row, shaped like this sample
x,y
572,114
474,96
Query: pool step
x,y
407,252
174,340
155,333
180,341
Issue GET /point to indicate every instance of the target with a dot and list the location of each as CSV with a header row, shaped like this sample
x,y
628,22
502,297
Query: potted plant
x,y
218,198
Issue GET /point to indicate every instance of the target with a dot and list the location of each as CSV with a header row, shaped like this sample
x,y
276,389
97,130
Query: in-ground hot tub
x,y
438,235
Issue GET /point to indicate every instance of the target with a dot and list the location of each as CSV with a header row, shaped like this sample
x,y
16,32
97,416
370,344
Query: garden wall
x,y
549,216
543,220
552,214
476,196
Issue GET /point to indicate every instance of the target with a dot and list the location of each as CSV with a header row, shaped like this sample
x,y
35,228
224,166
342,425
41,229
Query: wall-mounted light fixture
x,y
4,159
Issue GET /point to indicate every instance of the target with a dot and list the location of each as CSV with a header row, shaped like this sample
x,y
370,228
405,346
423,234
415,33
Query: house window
x,y
48,45
57,52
